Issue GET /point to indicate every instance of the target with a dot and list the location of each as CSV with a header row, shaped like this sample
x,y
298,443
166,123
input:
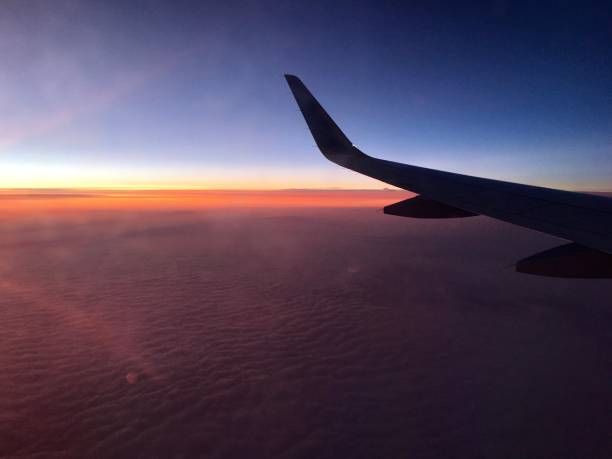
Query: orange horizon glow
x,y
18,201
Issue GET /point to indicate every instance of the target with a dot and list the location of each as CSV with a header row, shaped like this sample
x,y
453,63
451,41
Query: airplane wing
x,y
584,219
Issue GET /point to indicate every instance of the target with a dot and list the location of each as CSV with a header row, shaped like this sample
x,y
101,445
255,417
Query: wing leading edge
x,y
585,219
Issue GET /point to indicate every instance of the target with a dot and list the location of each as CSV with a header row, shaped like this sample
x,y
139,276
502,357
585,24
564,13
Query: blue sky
x,y
191,94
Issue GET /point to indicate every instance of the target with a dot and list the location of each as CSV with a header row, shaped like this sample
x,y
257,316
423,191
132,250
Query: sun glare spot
x,y
131,377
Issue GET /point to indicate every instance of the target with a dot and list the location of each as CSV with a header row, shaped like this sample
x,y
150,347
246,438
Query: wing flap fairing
x,y
568,261
420,207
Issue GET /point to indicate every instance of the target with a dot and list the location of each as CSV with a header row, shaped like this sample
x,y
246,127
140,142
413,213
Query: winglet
x,y
329,138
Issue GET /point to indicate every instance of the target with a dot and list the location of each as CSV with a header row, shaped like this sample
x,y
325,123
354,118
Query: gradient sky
x,y
191,94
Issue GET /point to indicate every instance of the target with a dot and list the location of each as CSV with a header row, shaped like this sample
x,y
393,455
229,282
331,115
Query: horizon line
x,y
69,189
226,190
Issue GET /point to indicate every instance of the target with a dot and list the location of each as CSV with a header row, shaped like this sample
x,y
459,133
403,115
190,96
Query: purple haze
x,y
295,333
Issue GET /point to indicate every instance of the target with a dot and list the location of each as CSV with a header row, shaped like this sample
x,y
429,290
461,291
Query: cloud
x,y
295,332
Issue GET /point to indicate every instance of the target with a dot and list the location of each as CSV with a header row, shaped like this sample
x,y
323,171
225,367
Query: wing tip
x,y
295,84
331,141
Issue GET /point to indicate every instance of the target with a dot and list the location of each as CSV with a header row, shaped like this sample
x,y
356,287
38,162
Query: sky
x,y
152,94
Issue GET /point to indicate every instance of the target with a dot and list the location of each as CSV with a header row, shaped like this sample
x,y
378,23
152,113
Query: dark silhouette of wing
x,y
585,219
